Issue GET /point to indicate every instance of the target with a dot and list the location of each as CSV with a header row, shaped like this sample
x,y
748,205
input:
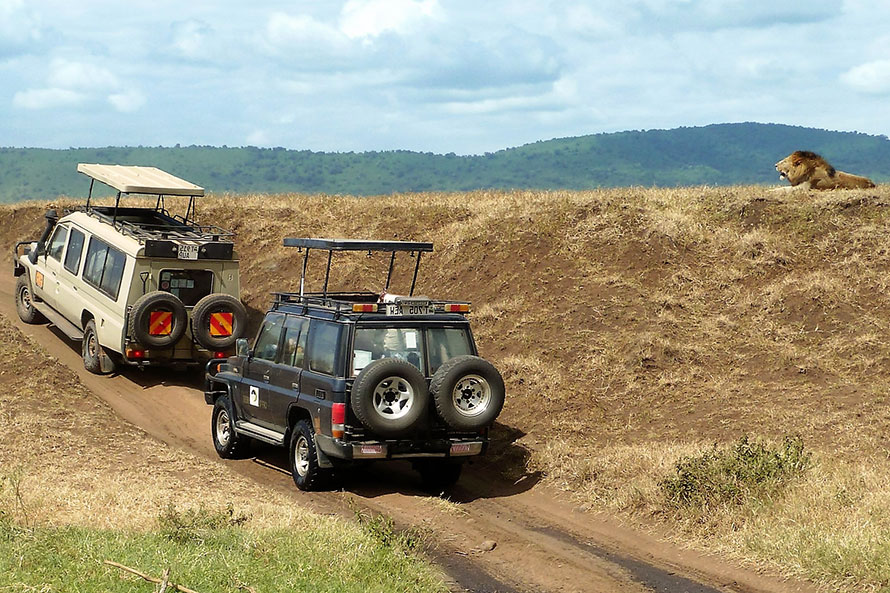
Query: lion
x,y
808,170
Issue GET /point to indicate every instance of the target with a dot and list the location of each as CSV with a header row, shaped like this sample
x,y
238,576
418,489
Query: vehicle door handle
x,y
295,386
266,378
74,288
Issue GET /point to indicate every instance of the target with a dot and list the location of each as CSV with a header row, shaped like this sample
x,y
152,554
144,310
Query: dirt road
x,y
543,543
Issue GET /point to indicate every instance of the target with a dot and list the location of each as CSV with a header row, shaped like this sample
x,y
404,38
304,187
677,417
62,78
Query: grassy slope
x,y
78,487
635,326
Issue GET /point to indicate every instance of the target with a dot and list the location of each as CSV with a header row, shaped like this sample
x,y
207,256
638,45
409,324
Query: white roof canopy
x,y
140,180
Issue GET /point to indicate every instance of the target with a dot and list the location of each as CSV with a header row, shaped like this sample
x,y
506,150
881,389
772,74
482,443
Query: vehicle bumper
x,y
400,449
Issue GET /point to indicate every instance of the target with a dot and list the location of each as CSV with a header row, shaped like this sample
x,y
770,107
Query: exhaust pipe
x,y
51,219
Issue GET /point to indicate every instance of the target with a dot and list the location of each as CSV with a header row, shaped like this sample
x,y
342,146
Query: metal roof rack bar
x,y
357,244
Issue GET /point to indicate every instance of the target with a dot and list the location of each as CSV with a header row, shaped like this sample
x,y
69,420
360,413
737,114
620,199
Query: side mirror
x,y
242,348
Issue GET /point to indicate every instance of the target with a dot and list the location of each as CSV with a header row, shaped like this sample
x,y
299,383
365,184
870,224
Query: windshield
x,y
409,343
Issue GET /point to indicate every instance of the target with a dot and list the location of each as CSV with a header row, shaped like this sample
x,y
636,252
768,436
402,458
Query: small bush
x,y
383,530
193,525
744,472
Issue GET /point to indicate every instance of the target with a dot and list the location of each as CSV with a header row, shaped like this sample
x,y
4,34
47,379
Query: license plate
x,y
409,308
187,251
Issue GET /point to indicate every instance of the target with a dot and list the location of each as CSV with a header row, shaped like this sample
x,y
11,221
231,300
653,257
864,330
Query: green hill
x,y
719,154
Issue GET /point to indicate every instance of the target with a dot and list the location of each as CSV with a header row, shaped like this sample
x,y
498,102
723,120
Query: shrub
x,y
193,525
744,472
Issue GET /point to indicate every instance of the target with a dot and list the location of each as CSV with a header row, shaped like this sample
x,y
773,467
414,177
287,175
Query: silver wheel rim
x,y
301,456
25,298
223,428
393,398
471,395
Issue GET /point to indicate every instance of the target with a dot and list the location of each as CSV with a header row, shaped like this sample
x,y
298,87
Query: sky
x,y
462,76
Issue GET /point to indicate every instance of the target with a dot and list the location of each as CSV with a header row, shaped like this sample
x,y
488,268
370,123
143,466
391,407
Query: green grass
x,y
211,551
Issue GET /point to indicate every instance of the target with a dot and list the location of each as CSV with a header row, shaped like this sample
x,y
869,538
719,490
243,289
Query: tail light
x,y
136,353
457,308
338,420
220,354
364,308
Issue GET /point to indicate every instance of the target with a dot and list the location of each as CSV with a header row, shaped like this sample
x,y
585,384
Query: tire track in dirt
x,y
543,542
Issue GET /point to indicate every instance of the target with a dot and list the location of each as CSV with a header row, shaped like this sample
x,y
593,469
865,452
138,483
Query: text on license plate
x,y
421,308
187,251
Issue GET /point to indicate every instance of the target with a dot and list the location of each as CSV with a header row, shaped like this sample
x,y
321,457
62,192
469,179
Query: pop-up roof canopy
x,y
130,179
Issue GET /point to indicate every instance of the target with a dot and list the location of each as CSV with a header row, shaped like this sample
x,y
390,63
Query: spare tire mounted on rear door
x,y
390,397
158,319
218,320
468,392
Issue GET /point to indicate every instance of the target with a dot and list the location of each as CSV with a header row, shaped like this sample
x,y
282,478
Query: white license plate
x,y
187,251
419,308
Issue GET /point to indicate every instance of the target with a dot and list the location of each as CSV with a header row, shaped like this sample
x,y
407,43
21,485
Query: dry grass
x,y
647,324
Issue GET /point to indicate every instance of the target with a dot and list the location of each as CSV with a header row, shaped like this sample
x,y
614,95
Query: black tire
x,y
468,392
390,397
437,476
91,351
307,474
228,443
218,303
24,302
140,319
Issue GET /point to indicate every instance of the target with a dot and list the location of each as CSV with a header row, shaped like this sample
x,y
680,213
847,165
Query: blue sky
x,y
430,75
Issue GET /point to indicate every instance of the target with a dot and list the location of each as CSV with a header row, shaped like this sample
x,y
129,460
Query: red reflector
x,y
221,324
338,414
160,323
135,354
219,354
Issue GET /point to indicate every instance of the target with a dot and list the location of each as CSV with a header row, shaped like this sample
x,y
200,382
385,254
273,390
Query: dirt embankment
x,y
632,326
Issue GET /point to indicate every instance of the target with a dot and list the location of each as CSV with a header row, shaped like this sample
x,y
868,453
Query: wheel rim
x,y
90,345
393,398
25,298
223,428
471,395
301,456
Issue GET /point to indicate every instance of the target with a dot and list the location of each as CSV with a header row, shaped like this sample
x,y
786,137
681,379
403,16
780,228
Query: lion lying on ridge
x,y
808,170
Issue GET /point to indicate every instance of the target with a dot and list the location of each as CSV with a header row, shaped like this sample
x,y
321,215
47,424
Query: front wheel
x,y
24,304
228,443
308,475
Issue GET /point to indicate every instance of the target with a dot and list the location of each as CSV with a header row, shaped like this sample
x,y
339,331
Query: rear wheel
x,y
24,304
92,351
307,474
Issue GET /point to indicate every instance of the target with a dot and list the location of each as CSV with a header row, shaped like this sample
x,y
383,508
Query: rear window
x,y
189,286
407,343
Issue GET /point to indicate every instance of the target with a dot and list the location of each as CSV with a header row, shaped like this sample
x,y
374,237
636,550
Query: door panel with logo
x,y
258,372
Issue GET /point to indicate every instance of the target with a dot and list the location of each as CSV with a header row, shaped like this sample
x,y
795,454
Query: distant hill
x,y
719,154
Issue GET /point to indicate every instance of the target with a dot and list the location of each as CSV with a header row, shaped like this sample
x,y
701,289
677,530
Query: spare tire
x,y
218,332
468,392
390,397
168,314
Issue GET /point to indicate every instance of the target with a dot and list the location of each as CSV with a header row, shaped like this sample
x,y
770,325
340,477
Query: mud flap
x,y
106,365
323,460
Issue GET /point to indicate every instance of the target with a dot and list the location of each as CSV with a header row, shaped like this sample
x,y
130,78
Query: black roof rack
x,y
147,223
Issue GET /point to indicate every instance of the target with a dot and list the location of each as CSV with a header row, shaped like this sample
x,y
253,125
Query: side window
x,y
270,335
324,346
57,243
296,330
75,250
104,268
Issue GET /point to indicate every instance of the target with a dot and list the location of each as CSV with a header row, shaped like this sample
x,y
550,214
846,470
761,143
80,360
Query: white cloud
x,y
127,101
46,98
371,18
285,31
20,27
190,39
68,74
871,77
258,138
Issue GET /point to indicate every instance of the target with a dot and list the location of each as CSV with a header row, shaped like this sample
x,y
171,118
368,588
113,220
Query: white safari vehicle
x,y
136,286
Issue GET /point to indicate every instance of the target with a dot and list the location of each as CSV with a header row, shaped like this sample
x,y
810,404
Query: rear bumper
x,y
401,449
